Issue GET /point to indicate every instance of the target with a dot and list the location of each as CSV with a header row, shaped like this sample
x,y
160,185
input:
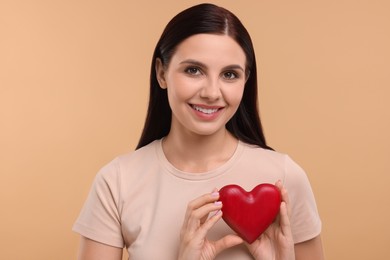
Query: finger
x,y
199,202
279,184
202,200
286,199
208,209
200,215
284,194
227,242
203,230
285,220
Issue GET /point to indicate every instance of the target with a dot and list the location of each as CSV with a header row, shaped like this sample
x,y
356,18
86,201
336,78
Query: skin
x,y
204,249
201,73
277,241
93,250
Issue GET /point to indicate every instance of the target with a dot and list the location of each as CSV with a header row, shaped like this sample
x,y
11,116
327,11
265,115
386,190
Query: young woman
x,y
201,133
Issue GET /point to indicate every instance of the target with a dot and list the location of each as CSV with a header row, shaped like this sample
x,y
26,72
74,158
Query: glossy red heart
x,y
250,213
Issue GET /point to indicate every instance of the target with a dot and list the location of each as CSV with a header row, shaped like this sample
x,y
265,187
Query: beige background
x,y
73,94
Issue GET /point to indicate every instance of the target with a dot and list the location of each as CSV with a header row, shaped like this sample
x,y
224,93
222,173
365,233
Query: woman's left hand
x,y
276,243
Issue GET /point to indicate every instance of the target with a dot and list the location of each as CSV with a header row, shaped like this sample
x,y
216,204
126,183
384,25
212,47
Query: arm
x,y
92,250
310,250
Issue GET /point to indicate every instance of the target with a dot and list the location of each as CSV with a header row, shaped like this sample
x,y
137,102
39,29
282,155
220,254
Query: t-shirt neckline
x,y
197,176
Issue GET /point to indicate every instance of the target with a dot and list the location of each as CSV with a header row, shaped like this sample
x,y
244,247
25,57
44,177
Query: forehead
x,y
210,49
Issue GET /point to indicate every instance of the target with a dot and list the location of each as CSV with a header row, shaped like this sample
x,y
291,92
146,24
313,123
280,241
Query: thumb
x,y
227,242
284,220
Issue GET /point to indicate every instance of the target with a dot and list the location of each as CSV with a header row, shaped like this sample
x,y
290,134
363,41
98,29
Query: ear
x,y
160,73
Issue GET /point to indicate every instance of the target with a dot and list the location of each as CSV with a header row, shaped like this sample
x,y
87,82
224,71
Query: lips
x,y
206,109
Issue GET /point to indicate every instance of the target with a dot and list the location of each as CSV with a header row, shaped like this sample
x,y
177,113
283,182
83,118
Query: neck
x,y
195,153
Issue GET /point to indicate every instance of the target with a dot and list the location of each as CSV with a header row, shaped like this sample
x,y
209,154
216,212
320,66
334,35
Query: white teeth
x,y
205,110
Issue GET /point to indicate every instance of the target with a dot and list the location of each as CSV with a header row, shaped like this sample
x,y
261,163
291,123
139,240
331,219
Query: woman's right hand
x,y
193,242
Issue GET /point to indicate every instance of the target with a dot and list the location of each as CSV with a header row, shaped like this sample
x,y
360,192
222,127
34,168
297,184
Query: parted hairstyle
x,y
204,18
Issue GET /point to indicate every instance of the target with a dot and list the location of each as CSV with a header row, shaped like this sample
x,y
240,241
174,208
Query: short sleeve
x,y
99,218
305,220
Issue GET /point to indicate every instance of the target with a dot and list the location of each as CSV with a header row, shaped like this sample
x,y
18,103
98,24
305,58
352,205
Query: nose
x,y
211,90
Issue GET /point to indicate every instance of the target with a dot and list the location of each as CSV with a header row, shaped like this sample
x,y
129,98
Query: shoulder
x,y
127,163
305,220
259,155
293,173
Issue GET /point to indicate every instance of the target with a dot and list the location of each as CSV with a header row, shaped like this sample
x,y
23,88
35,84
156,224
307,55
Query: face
x,y
205,81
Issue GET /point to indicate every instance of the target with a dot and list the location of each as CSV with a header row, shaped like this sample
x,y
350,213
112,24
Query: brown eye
x,y
193,71
230,75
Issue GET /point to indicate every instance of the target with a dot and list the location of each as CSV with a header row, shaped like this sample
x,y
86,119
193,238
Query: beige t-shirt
x,y
139,199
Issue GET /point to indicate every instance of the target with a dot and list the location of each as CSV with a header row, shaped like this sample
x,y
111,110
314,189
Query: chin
x,y
209,132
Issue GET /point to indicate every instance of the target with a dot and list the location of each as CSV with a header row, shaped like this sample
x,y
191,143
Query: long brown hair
x,y
212,19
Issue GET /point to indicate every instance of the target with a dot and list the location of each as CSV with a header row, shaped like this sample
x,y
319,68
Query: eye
x,y
230,75
193,71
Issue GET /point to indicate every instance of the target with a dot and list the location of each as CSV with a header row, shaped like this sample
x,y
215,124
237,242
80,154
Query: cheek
x,y
181,88
234,94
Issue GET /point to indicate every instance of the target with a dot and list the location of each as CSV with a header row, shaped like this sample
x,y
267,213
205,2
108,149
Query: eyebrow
x,y
200,64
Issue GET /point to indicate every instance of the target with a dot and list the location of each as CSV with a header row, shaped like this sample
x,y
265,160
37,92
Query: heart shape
x,y
250,213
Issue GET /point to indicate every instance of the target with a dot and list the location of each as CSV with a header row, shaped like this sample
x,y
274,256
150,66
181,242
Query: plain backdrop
x,y
74,91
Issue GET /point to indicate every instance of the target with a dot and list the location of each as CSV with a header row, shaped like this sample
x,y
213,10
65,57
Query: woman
x,y
202,132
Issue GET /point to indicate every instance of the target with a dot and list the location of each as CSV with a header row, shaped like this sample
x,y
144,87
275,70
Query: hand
x,y
193,242
276,243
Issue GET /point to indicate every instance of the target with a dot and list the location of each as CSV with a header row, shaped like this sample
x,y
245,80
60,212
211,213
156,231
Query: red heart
x,y
250,213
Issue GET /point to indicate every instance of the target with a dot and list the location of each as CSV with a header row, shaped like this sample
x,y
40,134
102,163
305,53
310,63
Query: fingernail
x,y
218,212
215,194
217,203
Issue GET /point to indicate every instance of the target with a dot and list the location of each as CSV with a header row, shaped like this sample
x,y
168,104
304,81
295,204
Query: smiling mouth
x,y
204,110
